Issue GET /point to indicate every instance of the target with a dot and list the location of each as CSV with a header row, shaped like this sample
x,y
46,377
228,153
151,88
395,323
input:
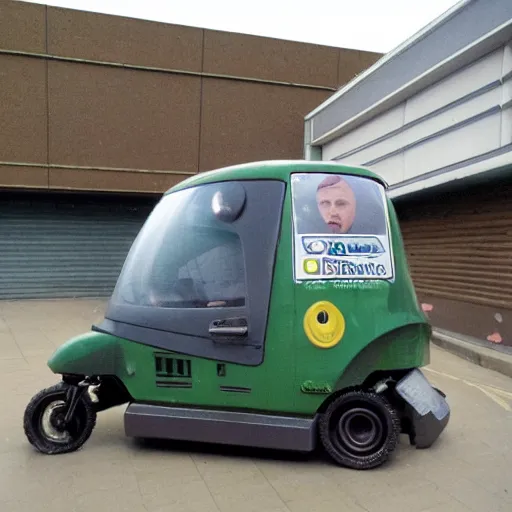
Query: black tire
x,y
45,437
359,430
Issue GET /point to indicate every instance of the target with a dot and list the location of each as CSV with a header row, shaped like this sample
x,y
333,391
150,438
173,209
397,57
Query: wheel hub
x,y
57,420
52,422
360,429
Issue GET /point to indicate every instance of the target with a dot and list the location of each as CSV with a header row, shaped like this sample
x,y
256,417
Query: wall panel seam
x,y
138,67
435,135
93,168
430,115
201,97
47,80
453,167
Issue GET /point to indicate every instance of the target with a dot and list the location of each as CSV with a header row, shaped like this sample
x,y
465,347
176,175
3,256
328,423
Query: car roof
x,y
274,169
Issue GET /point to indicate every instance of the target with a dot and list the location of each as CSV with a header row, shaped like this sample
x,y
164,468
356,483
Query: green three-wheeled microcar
x,y
268,305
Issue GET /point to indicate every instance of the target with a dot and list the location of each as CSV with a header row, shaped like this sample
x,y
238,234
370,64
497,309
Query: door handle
x,y
229,327
229,331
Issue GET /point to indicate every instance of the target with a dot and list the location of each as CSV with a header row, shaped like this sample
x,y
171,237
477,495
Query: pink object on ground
x,y
495,337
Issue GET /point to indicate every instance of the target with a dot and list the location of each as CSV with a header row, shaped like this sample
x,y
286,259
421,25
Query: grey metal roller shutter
x,y
65,246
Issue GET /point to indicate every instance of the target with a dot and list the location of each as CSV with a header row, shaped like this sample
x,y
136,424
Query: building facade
x,y
100,114
434,118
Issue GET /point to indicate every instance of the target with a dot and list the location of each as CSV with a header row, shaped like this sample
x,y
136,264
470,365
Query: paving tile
x,y
26,382
105,476
297,484
450,506
187,493
4,326
9,366
148,462
415,500
32,342
323,504
493,479
249,495
236,475
58,336
474,496
185,507
8,347
34,488
362,484
58,503
126,499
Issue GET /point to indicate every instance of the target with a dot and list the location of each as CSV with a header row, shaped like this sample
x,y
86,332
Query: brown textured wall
x,y
488,324
122,118
98,37
249,121
24,176
23,133
109,123
22,26
114,181
271,59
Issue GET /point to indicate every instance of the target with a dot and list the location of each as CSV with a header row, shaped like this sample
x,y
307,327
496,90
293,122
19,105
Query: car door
x,y
198,278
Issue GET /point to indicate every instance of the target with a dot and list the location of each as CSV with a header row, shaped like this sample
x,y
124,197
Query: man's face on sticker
x,y
337,203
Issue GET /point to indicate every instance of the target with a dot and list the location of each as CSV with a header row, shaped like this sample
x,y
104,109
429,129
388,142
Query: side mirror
x,y
229,201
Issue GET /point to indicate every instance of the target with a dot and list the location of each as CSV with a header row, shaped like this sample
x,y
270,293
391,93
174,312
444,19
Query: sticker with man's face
x,y
336,203
340,228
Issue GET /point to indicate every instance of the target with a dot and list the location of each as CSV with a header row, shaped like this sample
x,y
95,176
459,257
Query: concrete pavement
x,y
467,470
496,358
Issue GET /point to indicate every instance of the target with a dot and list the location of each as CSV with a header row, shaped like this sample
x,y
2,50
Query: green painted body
x,y
385,329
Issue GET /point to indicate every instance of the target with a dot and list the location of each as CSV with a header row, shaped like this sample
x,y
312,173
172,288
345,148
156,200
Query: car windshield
x,y
340,228
187,254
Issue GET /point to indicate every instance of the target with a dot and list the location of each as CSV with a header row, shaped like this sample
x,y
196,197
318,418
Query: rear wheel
x,y
360,429
44,423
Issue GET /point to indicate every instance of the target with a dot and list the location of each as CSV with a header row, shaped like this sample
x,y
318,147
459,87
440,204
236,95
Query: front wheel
x,y
360,429
44,424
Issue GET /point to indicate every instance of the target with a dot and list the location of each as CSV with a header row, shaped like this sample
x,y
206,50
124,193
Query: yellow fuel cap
x,y
324,324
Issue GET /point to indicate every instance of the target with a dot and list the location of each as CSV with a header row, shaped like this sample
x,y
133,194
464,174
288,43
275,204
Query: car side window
x,y
189,253
215,278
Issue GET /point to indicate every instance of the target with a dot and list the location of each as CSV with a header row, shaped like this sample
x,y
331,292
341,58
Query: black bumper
x,y
426,409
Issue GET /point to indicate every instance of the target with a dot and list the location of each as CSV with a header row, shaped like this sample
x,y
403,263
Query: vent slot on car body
x,y
168,369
